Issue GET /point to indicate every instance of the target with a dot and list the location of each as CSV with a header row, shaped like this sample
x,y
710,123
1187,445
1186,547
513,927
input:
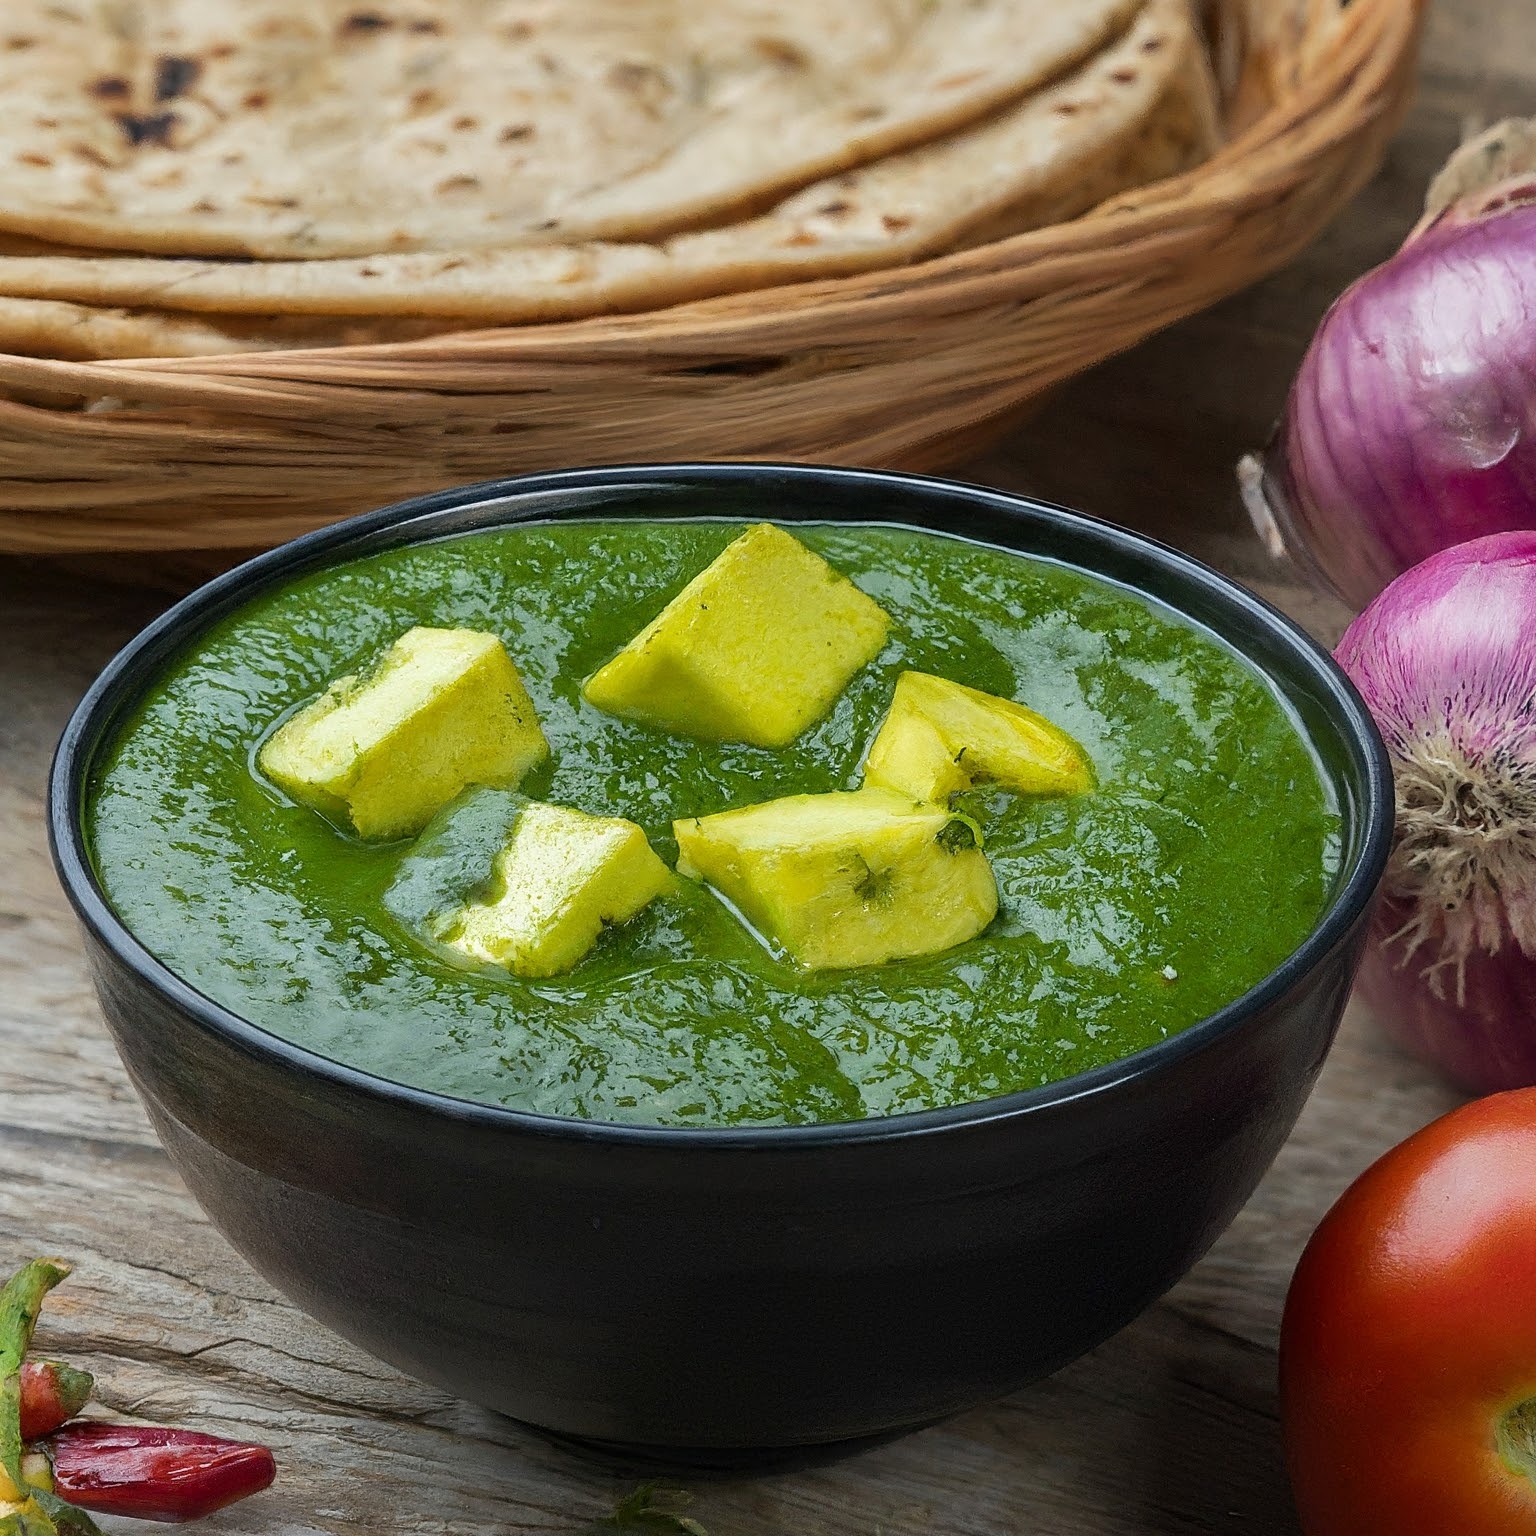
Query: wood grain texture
x,y
1168,1429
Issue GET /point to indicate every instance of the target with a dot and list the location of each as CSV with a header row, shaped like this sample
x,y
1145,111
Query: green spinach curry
x,y
1201,858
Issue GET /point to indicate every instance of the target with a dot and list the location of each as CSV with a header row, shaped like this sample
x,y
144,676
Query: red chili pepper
x,y
154,1474
51,1395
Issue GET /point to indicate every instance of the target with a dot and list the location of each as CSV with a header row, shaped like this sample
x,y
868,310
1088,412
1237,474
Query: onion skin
x,y
1445,658
1477,1043
1411,425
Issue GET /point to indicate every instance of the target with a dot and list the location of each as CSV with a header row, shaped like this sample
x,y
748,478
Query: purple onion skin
x,y
1479,1044
1445,658
1411,425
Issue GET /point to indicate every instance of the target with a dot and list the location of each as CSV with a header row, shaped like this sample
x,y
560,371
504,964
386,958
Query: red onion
x,y
1445,658
1412,423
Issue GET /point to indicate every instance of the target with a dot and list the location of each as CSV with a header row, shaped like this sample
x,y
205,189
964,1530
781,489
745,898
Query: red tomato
x,y
1408,1350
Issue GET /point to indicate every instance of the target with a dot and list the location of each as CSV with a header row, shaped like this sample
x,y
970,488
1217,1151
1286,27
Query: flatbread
x,y
299,128
1141,109
87,333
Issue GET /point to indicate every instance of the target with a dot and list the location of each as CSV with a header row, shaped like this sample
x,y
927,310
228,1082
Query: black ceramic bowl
x,y
720,1292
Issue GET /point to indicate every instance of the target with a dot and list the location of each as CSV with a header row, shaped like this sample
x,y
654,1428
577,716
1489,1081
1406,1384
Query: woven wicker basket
x,y
906,367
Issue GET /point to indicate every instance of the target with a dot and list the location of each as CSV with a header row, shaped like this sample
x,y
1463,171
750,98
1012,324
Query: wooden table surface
x,y
1168,1428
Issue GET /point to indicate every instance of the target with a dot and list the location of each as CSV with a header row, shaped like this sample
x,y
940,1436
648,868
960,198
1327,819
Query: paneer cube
x,y
848,879
561,876
755,648
386,749
940,737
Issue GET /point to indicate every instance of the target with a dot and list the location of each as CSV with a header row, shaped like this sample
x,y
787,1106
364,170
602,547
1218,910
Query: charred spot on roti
x,y
465,124
254,101
458,184
360,23
175,75
779,50
515,132
646,84
628,76
28,158
110,88
154,128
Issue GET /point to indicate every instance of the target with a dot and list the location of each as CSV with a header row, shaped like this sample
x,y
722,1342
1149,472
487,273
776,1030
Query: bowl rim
x,y
528,498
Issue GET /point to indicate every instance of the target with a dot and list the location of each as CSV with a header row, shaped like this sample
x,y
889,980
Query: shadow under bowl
x,y
716,1296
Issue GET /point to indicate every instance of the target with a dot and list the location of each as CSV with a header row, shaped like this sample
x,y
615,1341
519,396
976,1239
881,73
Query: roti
x,y
311,128
87,332
1141,109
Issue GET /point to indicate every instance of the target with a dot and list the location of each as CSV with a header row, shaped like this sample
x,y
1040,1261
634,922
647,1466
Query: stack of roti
x,y
186,177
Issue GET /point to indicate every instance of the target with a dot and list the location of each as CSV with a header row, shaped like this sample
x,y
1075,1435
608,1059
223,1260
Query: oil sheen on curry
x,y
708,823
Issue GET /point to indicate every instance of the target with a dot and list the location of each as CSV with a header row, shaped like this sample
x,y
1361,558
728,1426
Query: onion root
x,y
1464,863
